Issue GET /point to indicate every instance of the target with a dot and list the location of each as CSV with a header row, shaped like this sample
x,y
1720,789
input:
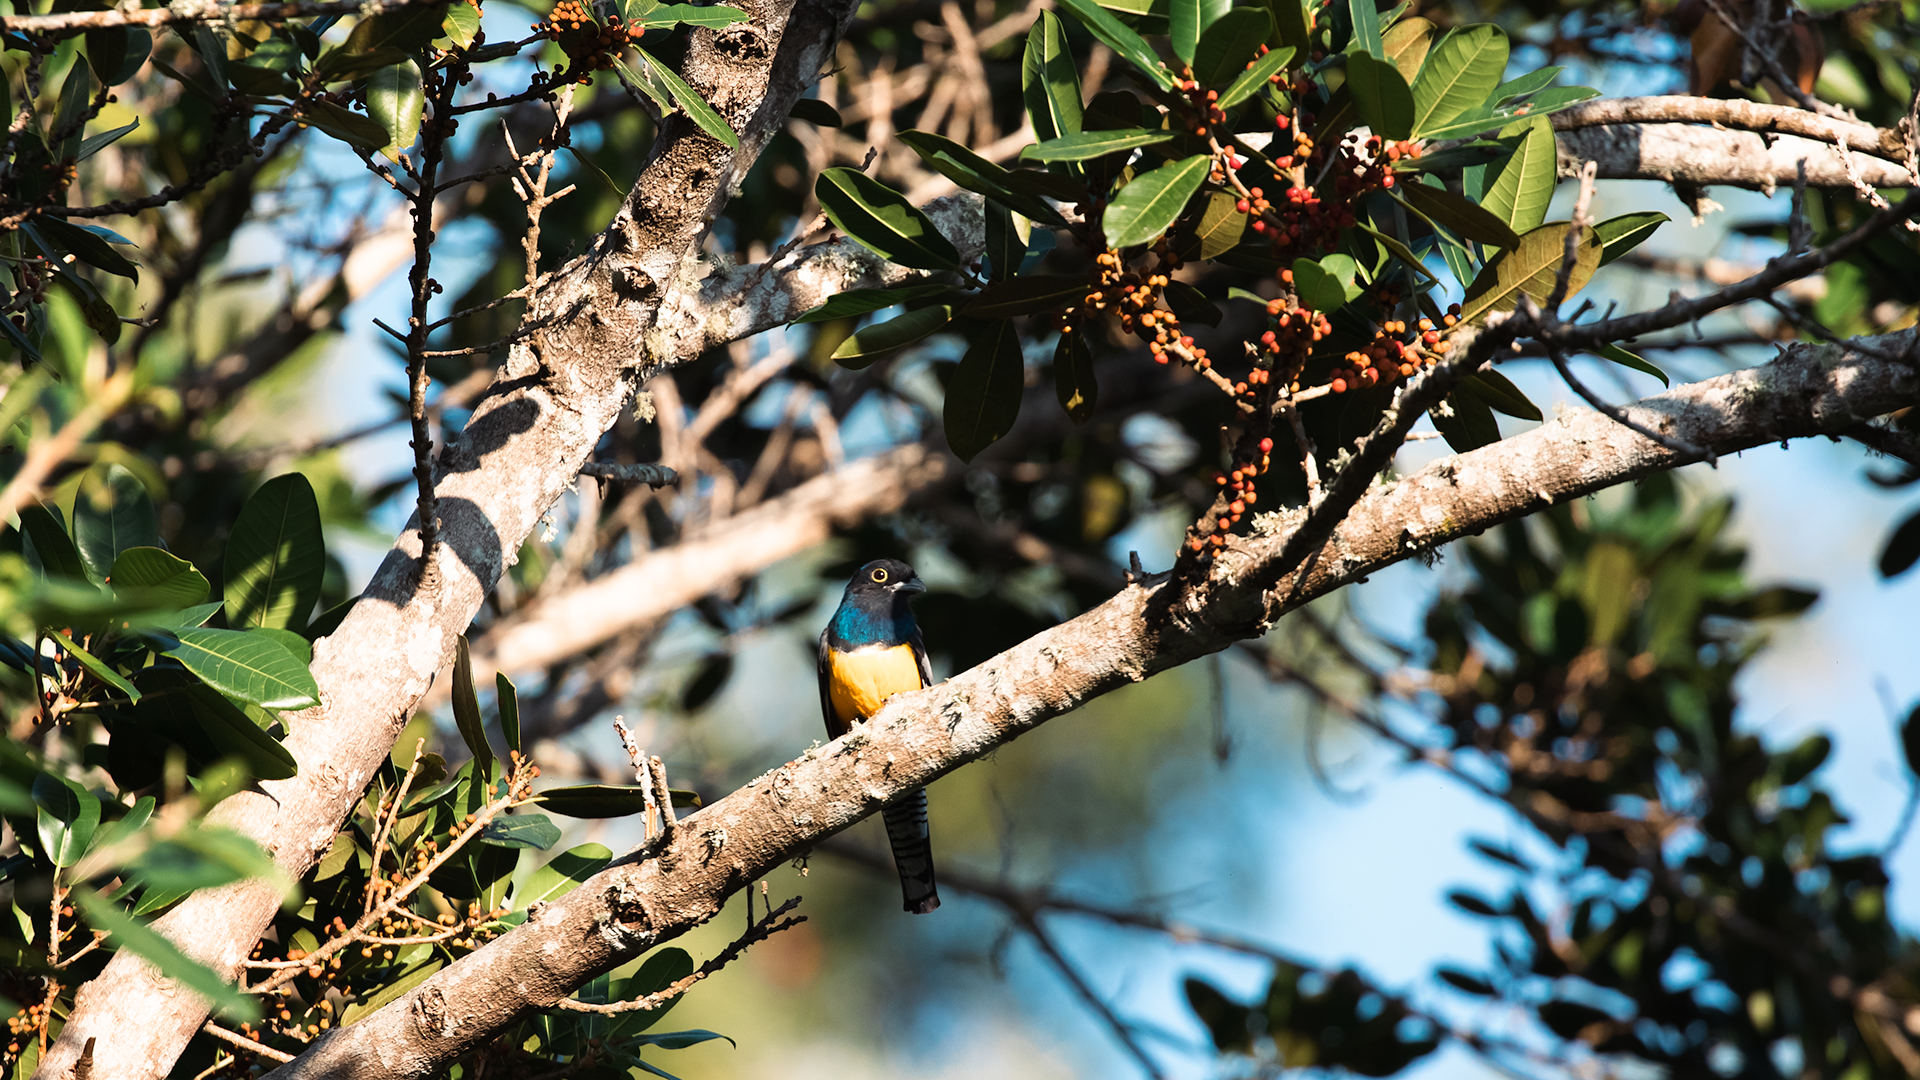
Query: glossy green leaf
x,y
882,219
118,53
1073,378
1465,421
1120,38
276,556
1366,30
68,814
1626,359
1027,295
712,17
462,24
1190,305
604,800
1500,394
93,144
816,112
562,875
975,173
528,831
1459,74
342,64
466,707
1531,267
1249,81
1485,119
150,945
97,667
1462,217
111,513
392,991
1093,144
76,94
176,706
854,302
1619,235
1519,188
247,667
983,398
680,1040
1221,225
691,103
507,701
1183,28
1399,251
1147,206
1050,80
1380,95
165,578
1407,43
1229,44
1531,83
397,100
87,246
49,548
1290,27
1326,284
866,346
352,128
410,29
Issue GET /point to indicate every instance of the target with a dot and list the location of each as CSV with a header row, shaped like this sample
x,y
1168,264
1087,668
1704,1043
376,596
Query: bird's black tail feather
x,y
912,844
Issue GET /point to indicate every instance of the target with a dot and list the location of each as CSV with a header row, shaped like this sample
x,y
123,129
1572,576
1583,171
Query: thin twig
x,y
244,1043
762,930
654,476
1074,979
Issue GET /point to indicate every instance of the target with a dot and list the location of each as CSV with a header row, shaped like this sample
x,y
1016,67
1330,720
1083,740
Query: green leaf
x,y
466,707
1465,421
816,112
507,700
562,875
393,991
99,668
276,556
1147,206
410,29
713,17
1499,393
166,578
604,800
680,1040
881,339
1327,284
1380,94
117,54
93,144
247,667
975,173
692,104
1531,83
1073,378
882,219
660,970
111,513
1093,144
1221,224
67,817
1519,188
1290,26
462,24
1400,251
177,707
87,246
1027,295
1458,75
342,64
49,546
854,302
344,124
1249,82
76,94
534,831
1442,207
632,11
1902,550
1407,43
1228,44
1619,235
1183,28
1366,29
397,100
146,942
1129,45
1532,267
1484,119
1049,80
1190,305
983,398
1626,359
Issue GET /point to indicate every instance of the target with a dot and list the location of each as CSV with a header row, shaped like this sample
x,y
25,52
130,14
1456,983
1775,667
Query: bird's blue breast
x,y
855,626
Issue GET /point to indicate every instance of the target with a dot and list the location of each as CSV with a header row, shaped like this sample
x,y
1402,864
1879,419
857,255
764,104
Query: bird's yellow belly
x,y
861,681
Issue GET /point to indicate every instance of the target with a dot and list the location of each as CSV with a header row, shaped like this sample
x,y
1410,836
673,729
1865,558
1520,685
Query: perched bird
x,y
870,651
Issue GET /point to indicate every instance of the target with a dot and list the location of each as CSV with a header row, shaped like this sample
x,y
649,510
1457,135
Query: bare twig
x,y
1121,1030
244,1043
760,931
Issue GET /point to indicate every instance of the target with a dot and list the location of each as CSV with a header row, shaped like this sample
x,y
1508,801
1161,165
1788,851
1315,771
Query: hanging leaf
x,y
117,54
49,549
1093,144
1147,206
1619,235
410,29
276,556
1228,44
87,246
67,816
983,399
854,302
111,513
1249,82
866,346
462,24
1465,421
397,100
882,219
976,174
163,577
1027,295
1458,75
1380,94
1901,552
248,667
1400,251
1190,305
1442,207
93,144
466,708
1049,80
1221,225
507,701
1115,34
1531,267
816,112
695,106
1073,378
1519,188
1499,393
1626,359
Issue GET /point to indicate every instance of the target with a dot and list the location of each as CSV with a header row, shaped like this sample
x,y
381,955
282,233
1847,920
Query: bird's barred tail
x,y
913,851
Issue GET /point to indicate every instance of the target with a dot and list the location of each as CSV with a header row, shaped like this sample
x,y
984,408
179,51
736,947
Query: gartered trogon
x,y
870,651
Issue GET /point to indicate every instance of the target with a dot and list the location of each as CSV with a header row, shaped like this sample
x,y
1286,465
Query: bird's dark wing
x,y
920,655
835,728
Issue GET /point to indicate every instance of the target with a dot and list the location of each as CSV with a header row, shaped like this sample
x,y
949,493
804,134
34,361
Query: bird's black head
x,y
888,577
874,610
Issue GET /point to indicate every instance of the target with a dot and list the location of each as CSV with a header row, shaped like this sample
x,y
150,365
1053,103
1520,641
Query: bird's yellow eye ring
x,y
879,575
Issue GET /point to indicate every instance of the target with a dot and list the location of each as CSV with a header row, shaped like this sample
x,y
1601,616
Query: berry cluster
x,y
1237,496
589,44
1292,332
1302,223
1365,165
1134,300
24,1027
1387,357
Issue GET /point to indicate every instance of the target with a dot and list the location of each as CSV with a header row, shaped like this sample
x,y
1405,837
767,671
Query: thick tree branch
x,y
1703,155
561,389
180,12
1732,113
639,903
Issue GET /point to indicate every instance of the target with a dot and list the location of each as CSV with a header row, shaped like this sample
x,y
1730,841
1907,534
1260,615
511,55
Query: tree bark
x,y
646,899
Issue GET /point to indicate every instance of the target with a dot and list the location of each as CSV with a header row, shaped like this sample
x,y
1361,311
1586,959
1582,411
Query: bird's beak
x,y
913,585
